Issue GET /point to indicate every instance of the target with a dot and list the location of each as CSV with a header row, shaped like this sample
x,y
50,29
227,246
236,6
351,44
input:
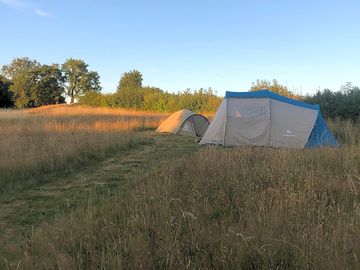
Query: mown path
x,y
59,196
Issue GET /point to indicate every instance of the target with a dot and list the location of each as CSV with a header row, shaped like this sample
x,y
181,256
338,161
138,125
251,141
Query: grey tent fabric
x,y
185,122
261,118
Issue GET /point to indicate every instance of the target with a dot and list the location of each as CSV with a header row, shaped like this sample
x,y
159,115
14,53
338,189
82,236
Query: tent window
x,y
246,112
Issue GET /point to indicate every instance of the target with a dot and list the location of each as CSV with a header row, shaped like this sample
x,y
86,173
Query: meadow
x,y
181,206
53,139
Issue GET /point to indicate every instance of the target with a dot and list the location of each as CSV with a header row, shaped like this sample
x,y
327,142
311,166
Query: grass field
x,y
61,138
139,200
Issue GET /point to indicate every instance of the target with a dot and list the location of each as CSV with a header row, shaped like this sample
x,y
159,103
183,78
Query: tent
x,y
266,119
185,122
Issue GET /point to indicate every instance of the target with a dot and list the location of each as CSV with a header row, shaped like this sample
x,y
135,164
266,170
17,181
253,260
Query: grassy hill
x,y
149,201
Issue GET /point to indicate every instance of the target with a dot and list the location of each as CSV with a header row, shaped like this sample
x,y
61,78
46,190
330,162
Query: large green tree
x,y
19,66
130,80
20,72
78,79
273,86
130,93
47,85
34,84
5,93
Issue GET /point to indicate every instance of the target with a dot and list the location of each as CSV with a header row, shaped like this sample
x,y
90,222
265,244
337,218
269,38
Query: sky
x,y
179,44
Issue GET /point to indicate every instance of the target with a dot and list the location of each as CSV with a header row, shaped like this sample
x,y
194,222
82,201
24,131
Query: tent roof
x,y
269,94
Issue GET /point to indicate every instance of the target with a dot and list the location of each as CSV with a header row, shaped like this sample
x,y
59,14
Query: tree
x,y
5,93
130,98
47,85
94,99
130,80
155,99
18,66
343,104
34,84
130,93
273,86
79,79
19,71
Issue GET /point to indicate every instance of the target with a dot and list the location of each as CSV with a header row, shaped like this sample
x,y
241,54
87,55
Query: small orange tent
x,y
185,122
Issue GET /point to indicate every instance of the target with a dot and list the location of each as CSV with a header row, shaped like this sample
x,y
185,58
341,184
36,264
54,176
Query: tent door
x,y
187,128
247,121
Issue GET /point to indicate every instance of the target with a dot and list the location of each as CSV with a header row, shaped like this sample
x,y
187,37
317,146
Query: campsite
x,y
179,135
146,199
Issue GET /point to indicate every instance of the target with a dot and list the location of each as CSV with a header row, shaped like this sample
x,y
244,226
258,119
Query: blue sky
x,y
181,44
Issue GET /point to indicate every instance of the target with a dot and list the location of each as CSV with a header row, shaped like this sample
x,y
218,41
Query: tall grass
x,y
52,139
347,132
237,208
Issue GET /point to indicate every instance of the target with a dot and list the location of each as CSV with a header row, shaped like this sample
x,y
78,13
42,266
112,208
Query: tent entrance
x,y
247,122
187,128
194,125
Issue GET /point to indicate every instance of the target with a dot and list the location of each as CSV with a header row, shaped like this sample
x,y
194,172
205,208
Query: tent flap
x,y
321,135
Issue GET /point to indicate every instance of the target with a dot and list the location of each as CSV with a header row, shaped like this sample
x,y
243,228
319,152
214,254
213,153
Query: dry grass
x,y
220,208
56,138
237,208
347,132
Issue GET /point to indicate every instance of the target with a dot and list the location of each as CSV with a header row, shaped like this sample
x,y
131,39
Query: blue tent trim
x,y
321,136
269,94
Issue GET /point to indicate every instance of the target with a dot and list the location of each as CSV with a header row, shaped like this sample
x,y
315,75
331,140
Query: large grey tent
x,y
267,119
185,122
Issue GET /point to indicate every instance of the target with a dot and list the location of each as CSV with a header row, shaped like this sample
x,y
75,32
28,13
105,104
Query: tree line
x,y
342,104
131,94
25,83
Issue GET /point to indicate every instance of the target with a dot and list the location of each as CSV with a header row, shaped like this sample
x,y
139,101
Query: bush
x,y
154,99
343,104
94,99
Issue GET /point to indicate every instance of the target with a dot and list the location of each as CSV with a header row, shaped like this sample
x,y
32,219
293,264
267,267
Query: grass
x,y
239,208
54,139
43,195
168,204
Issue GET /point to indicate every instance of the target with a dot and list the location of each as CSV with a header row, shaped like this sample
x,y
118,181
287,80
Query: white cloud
x,y
14,3
42,13
22,5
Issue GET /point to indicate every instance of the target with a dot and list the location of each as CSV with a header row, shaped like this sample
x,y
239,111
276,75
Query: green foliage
x,y
20,72
47,85
154,99
273,86
19,67
5,93
132,95
94,99
130,80
201,100
79,79
33,84
130,98
343,104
